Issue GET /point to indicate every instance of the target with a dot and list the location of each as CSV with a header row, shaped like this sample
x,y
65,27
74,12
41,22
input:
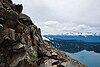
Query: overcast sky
x,y
61,16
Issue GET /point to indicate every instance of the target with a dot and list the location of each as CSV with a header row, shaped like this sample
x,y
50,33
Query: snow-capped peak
x,y
81,33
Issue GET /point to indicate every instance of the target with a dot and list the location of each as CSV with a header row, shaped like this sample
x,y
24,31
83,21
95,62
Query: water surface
x,y
89,58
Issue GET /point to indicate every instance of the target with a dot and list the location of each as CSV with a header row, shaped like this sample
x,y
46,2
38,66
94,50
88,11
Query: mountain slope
x,y
21,44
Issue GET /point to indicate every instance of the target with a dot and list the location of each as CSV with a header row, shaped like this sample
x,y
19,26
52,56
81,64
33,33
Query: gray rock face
x,y
21,43
16,43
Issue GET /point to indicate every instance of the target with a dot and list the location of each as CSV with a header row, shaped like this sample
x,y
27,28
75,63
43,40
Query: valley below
x,y
85,49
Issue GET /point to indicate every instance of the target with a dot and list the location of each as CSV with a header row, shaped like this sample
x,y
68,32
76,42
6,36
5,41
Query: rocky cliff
x,y
21,43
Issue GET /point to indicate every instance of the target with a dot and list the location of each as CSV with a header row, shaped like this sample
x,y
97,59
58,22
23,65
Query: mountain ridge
x,y
21,42
77,34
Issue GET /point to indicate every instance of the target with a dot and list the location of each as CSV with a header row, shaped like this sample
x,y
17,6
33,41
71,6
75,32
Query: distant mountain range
x,y
85,38
78,34
74,44
81,33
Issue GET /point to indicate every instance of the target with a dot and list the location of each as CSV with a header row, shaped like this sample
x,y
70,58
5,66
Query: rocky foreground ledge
x,y
21,44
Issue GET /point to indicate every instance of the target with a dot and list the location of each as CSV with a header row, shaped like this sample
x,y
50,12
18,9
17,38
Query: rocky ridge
x,y
21,43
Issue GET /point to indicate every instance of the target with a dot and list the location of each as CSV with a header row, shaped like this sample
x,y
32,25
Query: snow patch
x,y
44,38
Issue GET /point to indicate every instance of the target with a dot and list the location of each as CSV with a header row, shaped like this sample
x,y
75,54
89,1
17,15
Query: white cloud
x,y
58,28
58,16
51,23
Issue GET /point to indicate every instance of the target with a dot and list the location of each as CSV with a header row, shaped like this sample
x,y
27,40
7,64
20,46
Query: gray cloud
x,y
64,15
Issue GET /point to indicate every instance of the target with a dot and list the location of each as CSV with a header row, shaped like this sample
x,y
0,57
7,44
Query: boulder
x,y
18,8
9,33
11,19
25,19
21,28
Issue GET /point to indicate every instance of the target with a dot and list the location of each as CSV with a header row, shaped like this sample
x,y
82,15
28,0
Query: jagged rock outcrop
x,y
21,43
